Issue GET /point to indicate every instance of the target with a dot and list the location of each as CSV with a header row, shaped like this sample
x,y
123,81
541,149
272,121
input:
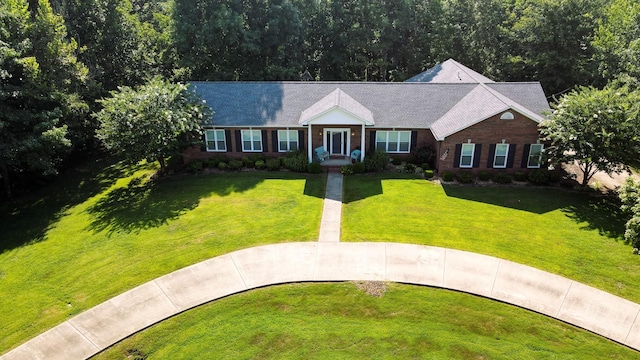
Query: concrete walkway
x,y
520,285
332,210
329,260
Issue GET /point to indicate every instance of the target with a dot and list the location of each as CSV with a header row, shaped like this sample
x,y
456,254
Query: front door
x,y
337,141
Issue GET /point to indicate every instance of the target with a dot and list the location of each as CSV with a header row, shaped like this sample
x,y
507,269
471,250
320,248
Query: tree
x,y
598,129
151,122
629,194
39,77
617,40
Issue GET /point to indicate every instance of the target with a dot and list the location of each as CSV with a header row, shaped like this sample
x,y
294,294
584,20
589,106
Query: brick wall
x,y
518,132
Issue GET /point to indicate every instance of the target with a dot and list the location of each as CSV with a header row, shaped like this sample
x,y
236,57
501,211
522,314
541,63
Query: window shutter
x,y
301,140
414,140
512,155
476,155
203,147
492,154
372,141
274,140
456,156
525,155
265,140
239,140
227,138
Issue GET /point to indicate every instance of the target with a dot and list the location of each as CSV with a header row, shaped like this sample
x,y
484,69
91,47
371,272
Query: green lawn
x,y
96,234
576,235
338,321
104,229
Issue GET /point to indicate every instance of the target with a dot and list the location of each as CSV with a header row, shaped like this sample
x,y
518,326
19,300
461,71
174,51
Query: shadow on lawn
x,y
147,204
600,213
26,220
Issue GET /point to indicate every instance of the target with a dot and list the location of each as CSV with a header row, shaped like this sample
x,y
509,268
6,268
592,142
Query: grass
x,y
338,321
104,229
572,234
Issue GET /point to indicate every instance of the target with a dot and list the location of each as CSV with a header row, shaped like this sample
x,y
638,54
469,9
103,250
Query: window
x,y
393,141
500,157
215,140
535,156
251,140
287,140
466,155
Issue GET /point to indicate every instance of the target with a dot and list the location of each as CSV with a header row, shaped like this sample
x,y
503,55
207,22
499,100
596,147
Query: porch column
x,y
362,144
310,146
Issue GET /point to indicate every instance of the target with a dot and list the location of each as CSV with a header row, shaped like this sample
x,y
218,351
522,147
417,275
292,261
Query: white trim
x,y
506,156
242,132
539,156
386,146
288,140
215,140
346,136
473,151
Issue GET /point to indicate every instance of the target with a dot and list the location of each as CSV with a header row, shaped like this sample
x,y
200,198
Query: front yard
x,y
94,235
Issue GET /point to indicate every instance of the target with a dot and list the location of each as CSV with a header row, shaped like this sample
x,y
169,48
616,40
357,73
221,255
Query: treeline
x,y
58,58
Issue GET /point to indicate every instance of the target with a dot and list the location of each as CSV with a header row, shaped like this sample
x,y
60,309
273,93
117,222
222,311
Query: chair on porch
x,y
355,155
321,153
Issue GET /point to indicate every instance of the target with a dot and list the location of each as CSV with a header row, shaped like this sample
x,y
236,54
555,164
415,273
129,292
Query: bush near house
x,y
538,177
273,164
447,176
428,174
502,178
376,161
464,177
423,155
296,161
484,175
520,176
346,169
314,168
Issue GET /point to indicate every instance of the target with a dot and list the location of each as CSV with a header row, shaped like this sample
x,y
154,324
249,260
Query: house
x,y
471,121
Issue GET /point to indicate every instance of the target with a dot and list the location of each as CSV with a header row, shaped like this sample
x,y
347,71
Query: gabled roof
x,y
337,99
450,72
441,106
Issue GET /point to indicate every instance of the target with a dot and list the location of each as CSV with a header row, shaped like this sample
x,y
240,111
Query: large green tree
x,y
39,77
598,129
151,122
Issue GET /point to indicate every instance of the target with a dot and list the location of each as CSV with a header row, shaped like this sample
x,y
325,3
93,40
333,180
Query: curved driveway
x,y
524,286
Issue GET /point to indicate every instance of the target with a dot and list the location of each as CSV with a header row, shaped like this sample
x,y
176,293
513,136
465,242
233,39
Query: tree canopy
x,y
598,129
151,122
60,57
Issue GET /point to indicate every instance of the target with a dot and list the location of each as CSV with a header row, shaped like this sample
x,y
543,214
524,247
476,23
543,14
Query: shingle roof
x,y
445,108
337,99
450,72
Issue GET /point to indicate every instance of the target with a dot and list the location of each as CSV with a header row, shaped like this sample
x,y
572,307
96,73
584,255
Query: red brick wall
x,y
519,131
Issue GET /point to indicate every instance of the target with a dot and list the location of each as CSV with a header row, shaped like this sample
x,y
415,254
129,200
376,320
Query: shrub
x,y
396,161
222,165
410,168
211,163
428,174
539,177
314,168
257,157
376,161
235,164
249,163
464,177
447,176
520,176
554,177
346,169
502,178
296,161
484,175
195,166
273,164
259,164
423,155
358,168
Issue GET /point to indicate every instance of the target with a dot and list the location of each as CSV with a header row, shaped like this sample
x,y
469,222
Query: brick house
x,y
471,121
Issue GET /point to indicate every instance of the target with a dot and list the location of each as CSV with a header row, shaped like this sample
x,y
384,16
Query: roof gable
x,y
450,72
337,99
